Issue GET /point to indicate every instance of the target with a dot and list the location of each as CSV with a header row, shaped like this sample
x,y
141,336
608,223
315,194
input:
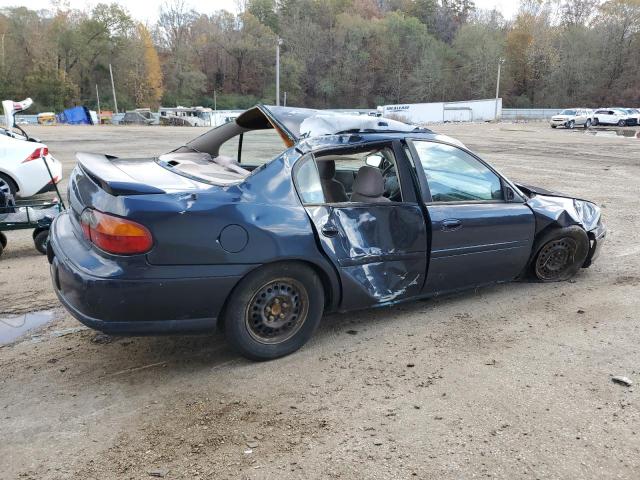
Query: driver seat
x,y
368,186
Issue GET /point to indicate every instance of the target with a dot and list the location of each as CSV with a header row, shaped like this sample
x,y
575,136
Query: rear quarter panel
x,y
30,177
257,222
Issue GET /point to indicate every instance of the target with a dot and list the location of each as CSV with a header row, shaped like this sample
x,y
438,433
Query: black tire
x,y
595,122
571,124
622,123
3,240
7,185
294,290
559,254
587,124
41,240
553,126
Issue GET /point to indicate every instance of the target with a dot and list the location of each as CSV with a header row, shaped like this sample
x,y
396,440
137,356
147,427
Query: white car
x,y
572,117
611,116
22,169
634,116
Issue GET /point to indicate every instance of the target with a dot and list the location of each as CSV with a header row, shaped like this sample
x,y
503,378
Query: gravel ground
x,y
507,382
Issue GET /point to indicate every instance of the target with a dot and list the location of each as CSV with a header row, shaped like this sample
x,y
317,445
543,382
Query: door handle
x,y
451,224
329,230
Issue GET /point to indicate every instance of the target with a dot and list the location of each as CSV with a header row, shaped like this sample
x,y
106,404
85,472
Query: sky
x,y
147,10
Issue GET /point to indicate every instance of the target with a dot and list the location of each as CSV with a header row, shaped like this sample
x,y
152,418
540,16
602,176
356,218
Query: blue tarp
x,y
75,116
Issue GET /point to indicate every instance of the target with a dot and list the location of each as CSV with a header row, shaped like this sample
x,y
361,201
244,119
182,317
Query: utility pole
x,y
113,89
98,97
278,43
285,99
215,102
500,62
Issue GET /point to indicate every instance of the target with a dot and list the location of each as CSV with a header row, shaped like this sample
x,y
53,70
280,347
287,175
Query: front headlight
x,y
588,212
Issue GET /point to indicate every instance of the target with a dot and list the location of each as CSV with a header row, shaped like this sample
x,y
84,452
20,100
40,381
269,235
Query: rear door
x,y
379,249
477,237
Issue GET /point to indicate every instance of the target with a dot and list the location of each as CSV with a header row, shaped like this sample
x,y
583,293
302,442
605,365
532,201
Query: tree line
x,y
334,53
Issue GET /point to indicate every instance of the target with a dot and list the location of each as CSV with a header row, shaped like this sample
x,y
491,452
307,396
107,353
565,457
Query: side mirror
x,y
509,194
374,161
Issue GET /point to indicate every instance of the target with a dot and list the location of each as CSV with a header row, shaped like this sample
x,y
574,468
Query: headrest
x,y
369,182
327,169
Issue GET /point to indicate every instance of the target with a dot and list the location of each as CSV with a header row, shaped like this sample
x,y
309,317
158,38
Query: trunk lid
x,y
133,176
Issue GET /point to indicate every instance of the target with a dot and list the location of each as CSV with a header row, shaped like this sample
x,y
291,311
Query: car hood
x,y
561,117
559,209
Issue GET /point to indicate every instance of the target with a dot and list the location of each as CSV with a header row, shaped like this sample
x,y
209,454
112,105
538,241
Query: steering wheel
x,y
391,183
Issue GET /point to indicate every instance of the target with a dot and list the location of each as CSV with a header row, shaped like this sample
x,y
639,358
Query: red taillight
x,y
37,153
114,234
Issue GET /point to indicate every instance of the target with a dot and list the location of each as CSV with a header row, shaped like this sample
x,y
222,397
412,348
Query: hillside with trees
x,y
335,53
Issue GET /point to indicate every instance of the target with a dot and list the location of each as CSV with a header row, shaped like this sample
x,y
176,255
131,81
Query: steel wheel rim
x,y
277,311
556,258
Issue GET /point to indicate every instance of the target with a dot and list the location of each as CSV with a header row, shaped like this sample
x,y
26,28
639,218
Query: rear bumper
x,y
115,297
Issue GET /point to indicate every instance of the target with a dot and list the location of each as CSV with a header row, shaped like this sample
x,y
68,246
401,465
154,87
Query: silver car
x,y
572,117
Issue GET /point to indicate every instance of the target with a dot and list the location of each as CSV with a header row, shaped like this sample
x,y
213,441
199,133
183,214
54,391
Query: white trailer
x,y
438,112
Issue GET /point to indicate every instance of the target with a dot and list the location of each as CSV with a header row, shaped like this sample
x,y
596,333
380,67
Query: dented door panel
x,y
380,250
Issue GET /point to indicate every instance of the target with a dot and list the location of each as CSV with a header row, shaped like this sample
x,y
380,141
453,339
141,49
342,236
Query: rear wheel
x,y
7,185
3,242
41,240
587,124
560,254
621,123
596,122
274,311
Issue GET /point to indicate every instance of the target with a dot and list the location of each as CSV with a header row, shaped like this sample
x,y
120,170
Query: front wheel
x,y
622,123
595,122
560,254
571,124
274,311
3,242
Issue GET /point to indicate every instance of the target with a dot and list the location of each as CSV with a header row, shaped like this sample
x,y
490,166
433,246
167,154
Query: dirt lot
x,y
507,382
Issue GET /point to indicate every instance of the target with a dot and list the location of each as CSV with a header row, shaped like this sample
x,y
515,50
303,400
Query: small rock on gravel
x,y
619,379
102,338
158,473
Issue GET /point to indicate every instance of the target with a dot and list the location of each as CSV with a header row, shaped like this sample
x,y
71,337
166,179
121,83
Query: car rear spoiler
x,y
112,179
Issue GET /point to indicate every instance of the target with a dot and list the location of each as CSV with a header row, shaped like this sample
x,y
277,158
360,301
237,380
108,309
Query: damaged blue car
x,y
261,225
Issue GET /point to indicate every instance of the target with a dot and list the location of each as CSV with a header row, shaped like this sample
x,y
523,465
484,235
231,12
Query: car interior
x,y
228,154
359,176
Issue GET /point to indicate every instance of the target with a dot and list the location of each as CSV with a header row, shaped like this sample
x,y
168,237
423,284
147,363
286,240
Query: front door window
x,y
455,176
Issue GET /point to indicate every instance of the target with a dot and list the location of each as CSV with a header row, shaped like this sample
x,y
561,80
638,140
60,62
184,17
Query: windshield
x,y
568,112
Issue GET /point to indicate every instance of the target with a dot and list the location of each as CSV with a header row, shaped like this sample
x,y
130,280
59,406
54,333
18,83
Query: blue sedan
x,y
348,212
